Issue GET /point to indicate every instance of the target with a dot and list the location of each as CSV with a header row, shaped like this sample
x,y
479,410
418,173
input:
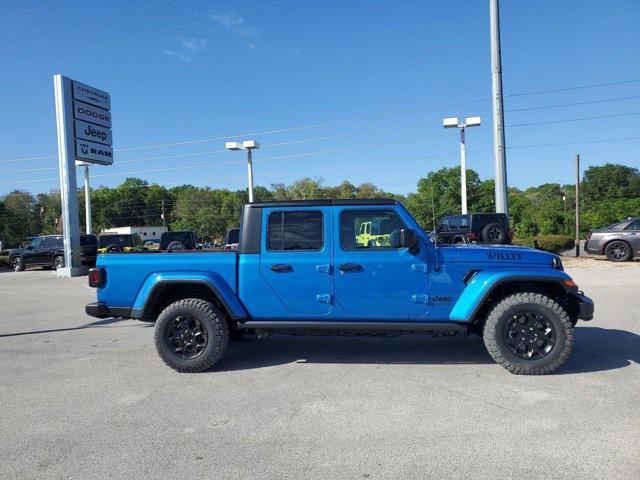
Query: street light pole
x,y
452,122
463,172
87,202
247,145
250,174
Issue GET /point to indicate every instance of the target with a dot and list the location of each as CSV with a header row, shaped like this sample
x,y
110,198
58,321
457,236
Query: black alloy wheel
x,y
530,335
494,233
186,337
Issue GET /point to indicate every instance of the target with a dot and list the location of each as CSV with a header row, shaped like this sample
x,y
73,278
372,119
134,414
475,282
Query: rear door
x,y
296,259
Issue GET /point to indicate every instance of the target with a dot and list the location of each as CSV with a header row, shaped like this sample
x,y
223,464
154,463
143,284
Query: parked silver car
x,y
620,242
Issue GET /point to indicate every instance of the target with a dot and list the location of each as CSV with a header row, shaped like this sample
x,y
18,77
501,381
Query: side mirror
x,y
404,238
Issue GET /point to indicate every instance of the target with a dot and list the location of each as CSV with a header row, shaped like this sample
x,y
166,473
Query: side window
x,y
464,223
297,230
60,242
48,242
35,243
380,224
633,225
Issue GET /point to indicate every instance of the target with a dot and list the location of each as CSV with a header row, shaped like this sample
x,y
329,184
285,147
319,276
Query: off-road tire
x,y
493,233
176,245
618,251
56,259
507,308
214,322
17,264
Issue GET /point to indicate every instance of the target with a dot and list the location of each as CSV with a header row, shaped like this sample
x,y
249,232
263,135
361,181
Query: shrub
x,y
548,243
4,261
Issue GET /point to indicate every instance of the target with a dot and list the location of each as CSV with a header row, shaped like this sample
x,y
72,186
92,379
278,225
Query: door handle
x,y
281,267
350,267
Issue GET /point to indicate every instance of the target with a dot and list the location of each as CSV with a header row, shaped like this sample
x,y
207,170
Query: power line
x,y
577,87
355,119
31,10
84,23
147,35
580,119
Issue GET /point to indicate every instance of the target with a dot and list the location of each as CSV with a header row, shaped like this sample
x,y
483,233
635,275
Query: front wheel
x,y
191,335
18,264
528,334
58,262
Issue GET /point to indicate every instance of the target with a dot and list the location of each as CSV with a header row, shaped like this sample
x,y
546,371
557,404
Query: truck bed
x,y
128,273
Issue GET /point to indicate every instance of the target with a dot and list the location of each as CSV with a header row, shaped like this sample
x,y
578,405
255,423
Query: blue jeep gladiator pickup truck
x,y
300,268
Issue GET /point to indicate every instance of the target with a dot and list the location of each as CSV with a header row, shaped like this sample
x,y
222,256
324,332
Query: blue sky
x,y
365,80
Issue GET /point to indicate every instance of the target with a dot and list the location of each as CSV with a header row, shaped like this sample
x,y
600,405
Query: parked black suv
x,y
48,251
491,228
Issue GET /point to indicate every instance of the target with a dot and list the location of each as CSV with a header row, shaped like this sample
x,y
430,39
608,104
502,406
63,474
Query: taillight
x,y
473,236
97,277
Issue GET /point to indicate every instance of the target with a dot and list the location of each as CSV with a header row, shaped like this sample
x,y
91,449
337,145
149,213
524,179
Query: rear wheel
x,y
191,335
176,245
493,233
58,261
18,264
618,251
528,334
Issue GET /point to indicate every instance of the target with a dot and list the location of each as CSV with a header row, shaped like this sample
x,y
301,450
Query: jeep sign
x,y
94,152
91,132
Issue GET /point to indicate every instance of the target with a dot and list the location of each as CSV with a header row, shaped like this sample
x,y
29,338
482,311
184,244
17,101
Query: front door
x,y
374,280
296,259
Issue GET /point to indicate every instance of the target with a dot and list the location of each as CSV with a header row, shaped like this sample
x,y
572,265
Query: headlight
x,y
556,264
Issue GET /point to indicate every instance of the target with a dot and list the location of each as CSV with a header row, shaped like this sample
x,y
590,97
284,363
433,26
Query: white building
x,y
145,233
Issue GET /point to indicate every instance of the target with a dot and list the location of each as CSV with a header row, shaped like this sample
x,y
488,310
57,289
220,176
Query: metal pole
x,y
250,174
502,205
87,202
67,168
164,222
577,205
463,172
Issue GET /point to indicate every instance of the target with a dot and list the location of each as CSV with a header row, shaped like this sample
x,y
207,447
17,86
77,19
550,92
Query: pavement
x,y
85,398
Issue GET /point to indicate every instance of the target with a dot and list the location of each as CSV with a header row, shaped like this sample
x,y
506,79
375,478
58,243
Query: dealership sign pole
x,y
83,120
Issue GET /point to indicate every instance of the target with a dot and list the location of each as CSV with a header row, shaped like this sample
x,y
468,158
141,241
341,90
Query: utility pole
x,y
577,205
164,223
500,158
87,202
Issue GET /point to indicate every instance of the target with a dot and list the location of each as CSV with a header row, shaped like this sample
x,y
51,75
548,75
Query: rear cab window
x,y
297,230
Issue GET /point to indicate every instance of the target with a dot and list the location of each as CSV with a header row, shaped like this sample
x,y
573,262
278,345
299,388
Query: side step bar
x,y
444,327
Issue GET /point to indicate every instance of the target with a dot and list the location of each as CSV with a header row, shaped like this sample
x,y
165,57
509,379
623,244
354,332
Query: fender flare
x,y
213,281
484,282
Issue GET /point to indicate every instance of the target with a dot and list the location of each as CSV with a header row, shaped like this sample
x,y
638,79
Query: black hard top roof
x,y
328,202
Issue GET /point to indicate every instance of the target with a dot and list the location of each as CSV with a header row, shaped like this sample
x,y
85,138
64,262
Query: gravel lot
x,y
81,398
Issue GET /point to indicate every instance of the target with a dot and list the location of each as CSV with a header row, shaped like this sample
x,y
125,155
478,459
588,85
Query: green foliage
x,y
610,193
548,243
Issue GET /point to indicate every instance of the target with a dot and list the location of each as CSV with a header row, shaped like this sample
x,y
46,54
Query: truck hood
x,y
496,254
